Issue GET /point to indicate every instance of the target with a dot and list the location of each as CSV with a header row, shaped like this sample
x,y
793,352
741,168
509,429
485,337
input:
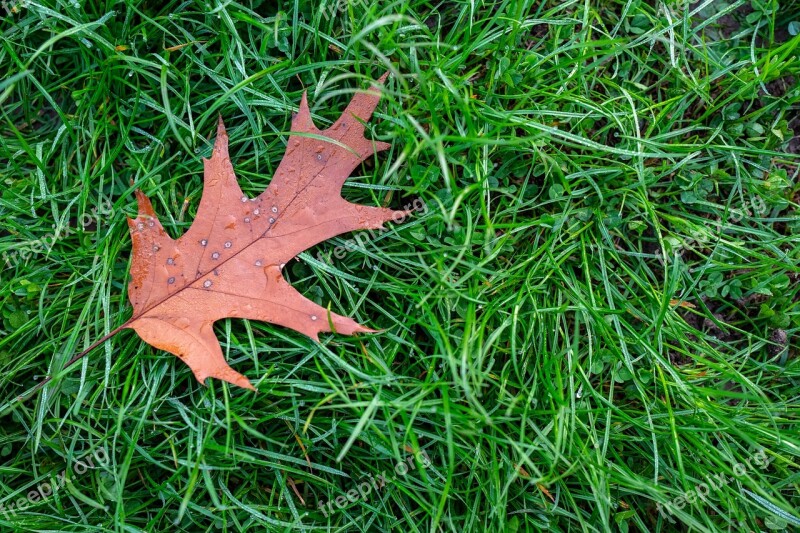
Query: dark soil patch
x,y
793,147
778,88
780,340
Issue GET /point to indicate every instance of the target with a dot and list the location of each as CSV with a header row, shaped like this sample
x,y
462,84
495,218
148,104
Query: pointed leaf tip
x,y
302,121
143,203
238,380
225,373
302,108
221,142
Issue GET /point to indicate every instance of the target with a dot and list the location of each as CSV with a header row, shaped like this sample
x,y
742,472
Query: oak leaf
x,y
228,263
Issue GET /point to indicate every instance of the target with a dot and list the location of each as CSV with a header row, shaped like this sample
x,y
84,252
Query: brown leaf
x,y
545,492
228,263
522,472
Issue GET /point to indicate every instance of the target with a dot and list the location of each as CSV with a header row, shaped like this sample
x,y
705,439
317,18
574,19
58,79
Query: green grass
x,y
597,315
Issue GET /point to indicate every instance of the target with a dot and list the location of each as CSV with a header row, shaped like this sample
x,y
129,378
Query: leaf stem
x,y
75,358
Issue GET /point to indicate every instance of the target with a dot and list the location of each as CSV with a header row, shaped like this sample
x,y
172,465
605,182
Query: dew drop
x,y
259,263
319,157
274,209
244,199
151,223
207,283
171,281
140,226
215,255
271,220
156,248
203,242
247,220
283,265
228,244
256,211
313,317
170,261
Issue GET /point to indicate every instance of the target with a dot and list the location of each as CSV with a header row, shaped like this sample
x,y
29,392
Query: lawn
x,y
590,323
